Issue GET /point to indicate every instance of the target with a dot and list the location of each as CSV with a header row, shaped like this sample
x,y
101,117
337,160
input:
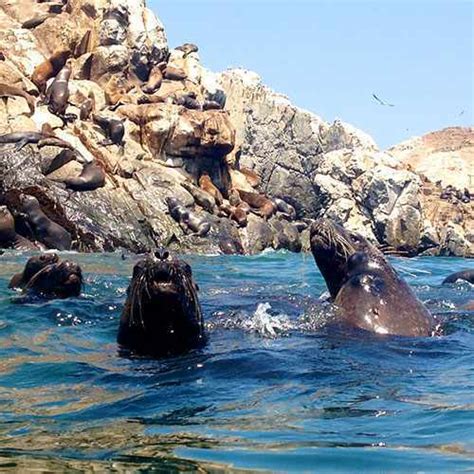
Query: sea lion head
x,y
58,280
333,246
37,263
162,314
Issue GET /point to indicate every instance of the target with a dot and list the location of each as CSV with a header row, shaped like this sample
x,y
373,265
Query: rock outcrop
x,y
178,122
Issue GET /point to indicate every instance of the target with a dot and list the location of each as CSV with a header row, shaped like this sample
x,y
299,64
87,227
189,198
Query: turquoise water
x,y
275,389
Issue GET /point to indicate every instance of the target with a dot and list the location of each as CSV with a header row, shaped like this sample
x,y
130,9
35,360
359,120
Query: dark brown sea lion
x,y
92,177
11,91
49,68
174,74
239,215
113,128
155,79
58,92
162,315
286,209
9,238
211,105
466,275
84,46
45,230
36,21
58,280
189,101
365,288
22,139
264,206
206,184
187,219
32,267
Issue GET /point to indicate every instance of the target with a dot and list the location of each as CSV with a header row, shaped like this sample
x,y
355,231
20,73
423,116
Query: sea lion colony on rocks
x,y
104,122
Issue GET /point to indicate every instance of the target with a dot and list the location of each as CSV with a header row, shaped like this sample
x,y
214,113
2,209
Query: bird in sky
x,y
381,102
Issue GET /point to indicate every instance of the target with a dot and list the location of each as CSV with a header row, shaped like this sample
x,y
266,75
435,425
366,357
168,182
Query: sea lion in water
x,y
92,177
12,91
162,315
466,275
49,68
58,280
187,219
32,267
46,231
8,236
264,206
365,288
113,128
58,92
206,184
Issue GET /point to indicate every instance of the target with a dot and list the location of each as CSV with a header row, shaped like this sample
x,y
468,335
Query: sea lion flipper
x,y
21,144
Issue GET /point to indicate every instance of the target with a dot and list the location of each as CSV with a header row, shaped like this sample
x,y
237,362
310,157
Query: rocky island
x,y
111,138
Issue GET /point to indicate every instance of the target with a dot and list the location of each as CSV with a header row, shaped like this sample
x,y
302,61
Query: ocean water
x,y
275,389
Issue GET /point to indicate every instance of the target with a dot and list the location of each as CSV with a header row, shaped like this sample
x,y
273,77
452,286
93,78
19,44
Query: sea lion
x,y
286,209
11,91
113,128
187,219
36,21
58,92
155,79
21,139
45,230
239,215
187,48
252,177
206,184
58,280
188,100
264,206
87,107
32,267
466,275
84,46
211,105
202,198
174,74
49,68
366,290
229,245
9,238
92,177
162,315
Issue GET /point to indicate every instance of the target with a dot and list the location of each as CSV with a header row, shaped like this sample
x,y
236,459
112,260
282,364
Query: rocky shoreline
x,y
248,168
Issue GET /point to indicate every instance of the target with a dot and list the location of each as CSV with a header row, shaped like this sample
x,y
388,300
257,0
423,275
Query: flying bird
x,y
381,102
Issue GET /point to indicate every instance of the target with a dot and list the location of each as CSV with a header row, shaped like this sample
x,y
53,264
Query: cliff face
x,y
182,123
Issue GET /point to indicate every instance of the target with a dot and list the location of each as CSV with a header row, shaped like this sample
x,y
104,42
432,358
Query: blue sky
x,y
330,56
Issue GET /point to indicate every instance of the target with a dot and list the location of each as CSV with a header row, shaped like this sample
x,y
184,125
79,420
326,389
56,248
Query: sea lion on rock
x,y
58,92
21,139
187,219
58,280
187,48
92,177
286,209
206,184
466,275
45,230
11,91
239,215
155,79
252,177
174,74
87,107
202,198
36,21
49,68
9,238
264,206
162,315
211,105
32,267
189,101
365,288
113,128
